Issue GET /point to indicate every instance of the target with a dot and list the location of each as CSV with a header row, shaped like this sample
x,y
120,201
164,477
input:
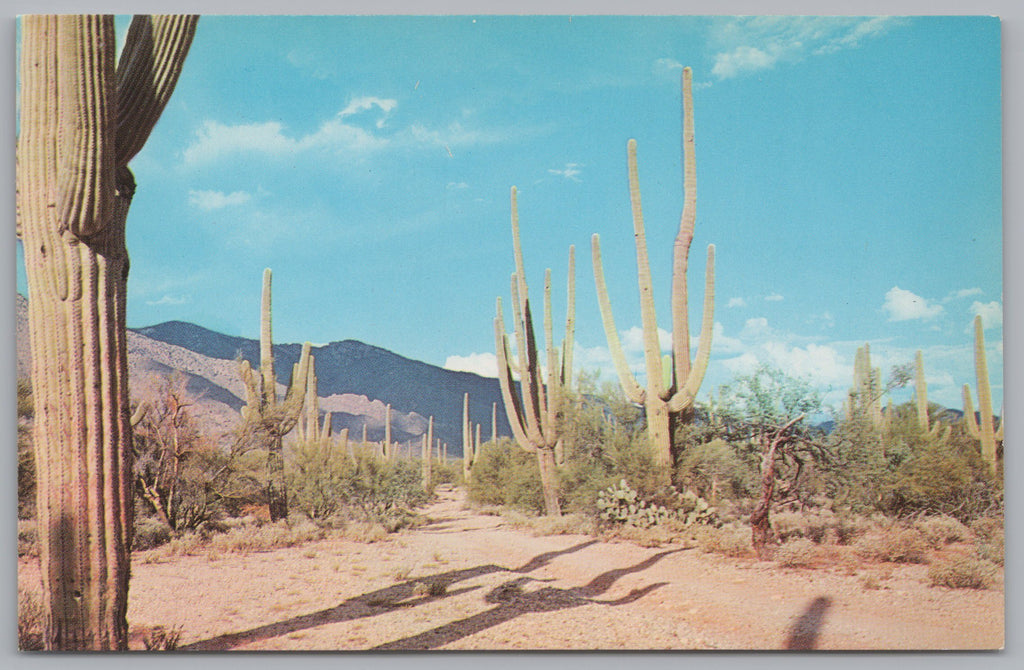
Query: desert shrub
x,y
989,540
893,545
731,540
798,552
966,572
622,505
653,536
715,470
150,532
265,538
30,621
28,538
505,474
26,452
987,527
942,530
162,639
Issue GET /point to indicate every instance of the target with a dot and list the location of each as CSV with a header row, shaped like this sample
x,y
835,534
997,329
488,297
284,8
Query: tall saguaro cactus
x,y
982,427
267,420
81,121
534,415
671,387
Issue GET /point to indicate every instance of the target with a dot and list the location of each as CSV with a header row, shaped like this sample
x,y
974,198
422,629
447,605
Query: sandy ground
x,y
507,589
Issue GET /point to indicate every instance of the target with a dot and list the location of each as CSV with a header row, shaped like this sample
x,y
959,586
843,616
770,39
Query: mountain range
x,y
354,380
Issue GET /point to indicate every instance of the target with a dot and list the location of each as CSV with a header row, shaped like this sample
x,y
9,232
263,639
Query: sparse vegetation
x,y
966,572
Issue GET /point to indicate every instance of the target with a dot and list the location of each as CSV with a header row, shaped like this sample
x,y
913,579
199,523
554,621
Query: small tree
x,y
171,468
767,410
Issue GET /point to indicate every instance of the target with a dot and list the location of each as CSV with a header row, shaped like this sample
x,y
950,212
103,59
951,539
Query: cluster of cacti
x,y
534,414
621,504
938,431
672,384
266,419
982,427
82,119
310,429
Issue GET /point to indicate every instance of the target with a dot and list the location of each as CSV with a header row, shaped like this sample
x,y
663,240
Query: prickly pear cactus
x,y
622,505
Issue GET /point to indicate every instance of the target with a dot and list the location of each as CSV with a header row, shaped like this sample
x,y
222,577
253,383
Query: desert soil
x,y
505,588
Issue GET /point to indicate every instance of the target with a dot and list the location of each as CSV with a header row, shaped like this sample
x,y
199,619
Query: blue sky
x,y
848,173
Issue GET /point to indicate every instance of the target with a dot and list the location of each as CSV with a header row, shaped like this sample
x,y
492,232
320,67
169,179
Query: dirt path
x,y
506,589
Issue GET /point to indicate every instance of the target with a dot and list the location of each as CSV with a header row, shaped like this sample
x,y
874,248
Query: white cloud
x,y
668,64
751,44
345,132
170,300
737,302
991,313
963,293
741,60
755,328
211,200
571,171
485,365
456,185
722,343
773,297
633,339
903,305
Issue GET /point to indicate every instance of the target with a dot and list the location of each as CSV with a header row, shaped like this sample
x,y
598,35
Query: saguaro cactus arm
x,y
690,384
634,392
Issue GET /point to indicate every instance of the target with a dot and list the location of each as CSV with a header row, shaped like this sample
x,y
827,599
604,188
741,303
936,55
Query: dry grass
x,y
893,545
730,540
798,553
942,530
966,572
30,621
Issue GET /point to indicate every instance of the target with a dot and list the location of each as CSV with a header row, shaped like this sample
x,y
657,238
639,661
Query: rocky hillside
x,y
355,381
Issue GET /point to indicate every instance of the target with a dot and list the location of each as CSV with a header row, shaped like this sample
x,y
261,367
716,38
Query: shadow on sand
x,y
803,634
406,594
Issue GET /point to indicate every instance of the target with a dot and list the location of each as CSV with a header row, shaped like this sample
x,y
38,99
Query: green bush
x,y
715,470
505,474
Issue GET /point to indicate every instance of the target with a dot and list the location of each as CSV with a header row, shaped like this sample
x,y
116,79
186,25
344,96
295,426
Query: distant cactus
x,y
81,120
671,386
468,453
388,454
865,398
426,456
939,431
534,414
982,427
266,420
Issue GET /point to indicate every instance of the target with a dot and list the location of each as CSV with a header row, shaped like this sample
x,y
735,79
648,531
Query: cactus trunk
x,y
80,123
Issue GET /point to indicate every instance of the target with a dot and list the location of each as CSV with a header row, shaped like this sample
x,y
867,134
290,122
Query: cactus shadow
x,y
402,595
512,601
803,634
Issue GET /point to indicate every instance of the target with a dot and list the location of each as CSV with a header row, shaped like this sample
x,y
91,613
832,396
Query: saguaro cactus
x,y
534,416
671,385
865,398
938,431
468,455
81,121
982,427
266,420
387,433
